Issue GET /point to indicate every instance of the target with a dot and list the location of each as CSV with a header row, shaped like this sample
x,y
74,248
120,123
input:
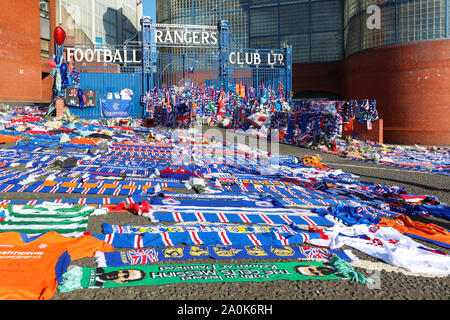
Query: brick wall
x,y
20,76
21,65
47,81
411,84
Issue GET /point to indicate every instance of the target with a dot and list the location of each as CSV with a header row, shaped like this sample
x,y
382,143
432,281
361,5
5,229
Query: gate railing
x,y
147,63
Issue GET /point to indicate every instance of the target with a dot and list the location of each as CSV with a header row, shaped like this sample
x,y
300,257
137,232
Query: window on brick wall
x,y
45,28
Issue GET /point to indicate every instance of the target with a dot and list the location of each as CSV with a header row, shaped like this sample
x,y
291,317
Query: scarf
x,y
170,239
160,228
250,203
111,277
240,218
153,255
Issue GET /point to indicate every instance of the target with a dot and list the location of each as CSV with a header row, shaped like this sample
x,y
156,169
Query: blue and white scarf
x,y
170,239
233,228
221,217
153,255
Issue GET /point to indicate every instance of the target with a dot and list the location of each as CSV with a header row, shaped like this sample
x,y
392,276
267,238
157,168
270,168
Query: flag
x,y
169,107
221,103
143,256
281,88
243,91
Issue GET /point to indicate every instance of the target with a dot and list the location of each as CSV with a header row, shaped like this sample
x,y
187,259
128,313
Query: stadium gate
x,y
170,54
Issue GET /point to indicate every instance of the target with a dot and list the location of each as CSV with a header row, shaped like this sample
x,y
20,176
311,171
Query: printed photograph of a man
x,y
314,270
119,276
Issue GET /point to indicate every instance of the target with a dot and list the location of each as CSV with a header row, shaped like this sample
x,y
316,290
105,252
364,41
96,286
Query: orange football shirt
x,y
428,231
32,267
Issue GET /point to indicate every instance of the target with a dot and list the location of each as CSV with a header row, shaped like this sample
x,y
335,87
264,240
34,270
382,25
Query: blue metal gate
x,y
110,80
168,65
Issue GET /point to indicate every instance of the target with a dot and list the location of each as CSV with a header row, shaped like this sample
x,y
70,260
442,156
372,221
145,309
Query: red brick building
x,y
26,43
411,83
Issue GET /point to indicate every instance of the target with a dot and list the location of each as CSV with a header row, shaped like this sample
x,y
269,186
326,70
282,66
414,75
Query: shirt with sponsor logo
x,y
32,267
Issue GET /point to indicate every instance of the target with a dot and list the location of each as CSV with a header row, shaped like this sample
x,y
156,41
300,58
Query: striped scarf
x,y
170,239
68,220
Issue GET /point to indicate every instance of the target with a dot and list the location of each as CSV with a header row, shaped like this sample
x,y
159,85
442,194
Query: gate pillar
x,y
147,65
288,73
224,49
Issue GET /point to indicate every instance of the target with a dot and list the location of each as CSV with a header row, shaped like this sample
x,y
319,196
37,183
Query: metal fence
x,y
185,69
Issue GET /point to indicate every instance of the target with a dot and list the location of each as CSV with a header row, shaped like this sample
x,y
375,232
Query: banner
x,y
155,201
116,107
111,277
71,97
153,255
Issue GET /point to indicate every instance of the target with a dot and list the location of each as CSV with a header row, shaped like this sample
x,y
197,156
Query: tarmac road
x,y
392,285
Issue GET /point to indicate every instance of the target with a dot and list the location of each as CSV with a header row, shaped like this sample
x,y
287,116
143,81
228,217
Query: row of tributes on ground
x,y
249,207
266,114
262,110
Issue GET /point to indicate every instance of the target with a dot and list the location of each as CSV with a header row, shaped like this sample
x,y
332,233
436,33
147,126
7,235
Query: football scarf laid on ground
x,y
240,218
108,277
153,255
160,228
170,239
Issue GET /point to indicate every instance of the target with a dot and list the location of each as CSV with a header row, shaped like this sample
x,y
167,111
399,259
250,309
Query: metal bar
x,y
361,45
248,23
447,33
279,23
395,22
342,30
182,26
297,34
310,30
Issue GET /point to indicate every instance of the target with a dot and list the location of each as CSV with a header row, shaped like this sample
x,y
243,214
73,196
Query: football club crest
x,y
224,252
255,251
283,251
173,253
199,251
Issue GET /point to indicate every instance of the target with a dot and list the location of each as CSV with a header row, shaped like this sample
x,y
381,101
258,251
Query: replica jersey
x,y
389,245
32,267
419,230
